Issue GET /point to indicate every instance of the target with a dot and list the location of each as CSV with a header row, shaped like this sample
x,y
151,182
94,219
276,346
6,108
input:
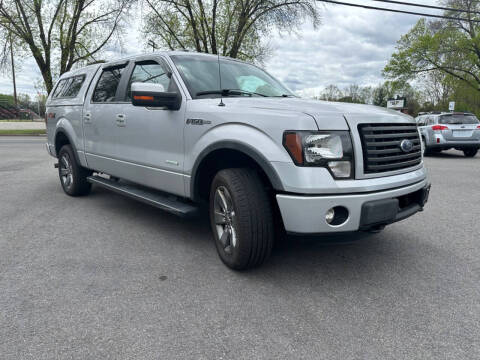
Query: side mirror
x,y
154,95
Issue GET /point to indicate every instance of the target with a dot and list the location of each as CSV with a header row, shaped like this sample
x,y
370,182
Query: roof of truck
x,y
442,113
168,53
94,67
82,70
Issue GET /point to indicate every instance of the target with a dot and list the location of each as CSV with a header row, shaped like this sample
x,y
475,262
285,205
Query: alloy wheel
x,y
225,219
66,171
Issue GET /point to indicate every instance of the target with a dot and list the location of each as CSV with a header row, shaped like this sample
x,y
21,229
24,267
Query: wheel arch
x,y
226,154
62,138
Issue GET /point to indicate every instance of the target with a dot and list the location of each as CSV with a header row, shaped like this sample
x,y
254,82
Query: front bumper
x,y
306,214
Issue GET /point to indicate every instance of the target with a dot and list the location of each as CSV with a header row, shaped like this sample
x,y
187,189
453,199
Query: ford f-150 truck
x,y
178,129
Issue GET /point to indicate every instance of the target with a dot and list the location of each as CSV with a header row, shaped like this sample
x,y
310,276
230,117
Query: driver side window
x,y
149,72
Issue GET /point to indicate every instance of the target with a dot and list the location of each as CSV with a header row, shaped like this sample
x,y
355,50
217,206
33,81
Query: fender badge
x,y
198,122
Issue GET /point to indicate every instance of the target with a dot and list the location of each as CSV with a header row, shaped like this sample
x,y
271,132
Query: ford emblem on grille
x,y
406,145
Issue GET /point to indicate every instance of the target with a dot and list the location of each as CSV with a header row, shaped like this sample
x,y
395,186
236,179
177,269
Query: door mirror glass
x,y
154,95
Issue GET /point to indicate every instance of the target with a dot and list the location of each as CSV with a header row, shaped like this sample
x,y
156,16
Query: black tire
x,y
73,177
426,151
251,223
470,152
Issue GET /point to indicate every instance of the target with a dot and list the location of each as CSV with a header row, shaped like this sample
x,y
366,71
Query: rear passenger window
x,y
74,86
59,88
107,85
69,88
148,72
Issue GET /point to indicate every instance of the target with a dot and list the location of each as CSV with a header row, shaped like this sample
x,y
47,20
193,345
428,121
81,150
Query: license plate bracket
x,y
462,133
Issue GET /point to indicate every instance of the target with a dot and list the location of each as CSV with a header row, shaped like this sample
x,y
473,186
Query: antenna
x,y
220,80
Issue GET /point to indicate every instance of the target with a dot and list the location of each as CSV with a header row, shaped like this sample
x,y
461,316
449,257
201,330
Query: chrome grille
x,y
381,147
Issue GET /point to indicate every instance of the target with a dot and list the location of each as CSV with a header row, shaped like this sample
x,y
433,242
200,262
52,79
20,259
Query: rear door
x,y
430,120
102,104
421,122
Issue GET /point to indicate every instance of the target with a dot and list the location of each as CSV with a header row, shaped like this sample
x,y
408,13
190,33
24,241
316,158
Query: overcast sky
x,y
351,46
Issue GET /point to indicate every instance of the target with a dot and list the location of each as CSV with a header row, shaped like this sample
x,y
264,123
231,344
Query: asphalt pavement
x,y
103,277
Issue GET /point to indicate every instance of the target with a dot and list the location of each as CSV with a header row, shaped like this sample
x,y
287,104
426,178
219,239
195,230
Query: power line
x,y
428,6
398,11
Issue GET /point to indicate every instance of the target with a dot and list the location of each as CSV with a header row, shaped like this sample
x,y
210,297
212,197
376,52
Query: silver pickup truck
x,y
178,130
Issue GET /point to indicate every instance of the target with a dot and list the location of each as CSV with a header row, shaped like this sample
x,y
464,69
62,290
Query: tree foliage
x,y
451,47
232,28
353,93
375,95
62,33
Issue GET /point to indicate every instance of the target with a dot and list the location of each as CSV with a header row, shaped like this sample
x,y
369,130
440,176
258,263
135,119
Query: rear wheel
x,y
241,217
426,151
470,152
73,177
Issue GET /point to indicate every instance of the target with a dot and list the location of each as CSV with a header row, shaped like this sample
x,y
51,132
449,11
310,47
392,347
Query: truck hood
x,y
328,115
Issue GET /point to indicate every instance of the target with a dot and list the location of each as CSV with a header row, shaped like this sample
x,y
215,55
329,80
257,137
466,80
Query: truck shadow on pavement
x,y
307,255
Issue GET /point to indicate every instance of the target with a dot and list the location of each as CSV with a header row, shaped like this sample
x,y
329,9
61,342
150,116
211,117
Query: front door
x,y
149,141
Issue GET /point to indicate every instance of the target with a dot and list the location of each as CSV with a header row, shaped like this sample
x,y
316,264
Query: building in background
x,y
398,103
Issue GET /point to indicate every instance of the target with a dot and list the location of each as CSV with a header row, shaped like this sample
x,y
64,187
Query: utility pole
x,y
13,72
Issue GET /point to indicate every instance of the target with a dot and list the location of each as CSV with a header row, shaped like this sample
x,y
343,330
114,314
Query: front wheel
x,y
470,152
241,217
73,176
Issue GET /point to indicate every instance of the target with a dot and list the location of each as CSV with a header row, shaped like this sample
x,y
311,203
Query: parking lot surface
x,y
105,277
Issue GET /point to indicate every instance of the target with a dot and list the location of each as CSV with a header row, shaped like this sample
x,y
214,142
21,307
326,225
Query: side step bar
x,y
149,196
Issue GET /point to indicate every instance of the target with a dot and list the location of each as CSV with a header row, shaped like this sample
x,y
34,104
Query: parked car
x,y
443,131
158,128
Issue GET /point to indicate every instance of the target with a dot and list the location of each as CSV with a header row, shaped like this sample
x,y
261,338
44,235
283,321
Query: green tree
x,y
331,93
232,28
449,46
380,95
60,34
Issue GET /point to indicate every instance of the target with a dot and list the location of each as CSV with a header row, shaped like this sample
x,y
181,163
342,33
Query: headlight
x,y
332,150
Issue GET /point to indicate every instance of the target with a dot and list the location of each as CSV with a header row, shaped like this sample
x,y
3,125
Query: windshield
x,y
200,74
458,119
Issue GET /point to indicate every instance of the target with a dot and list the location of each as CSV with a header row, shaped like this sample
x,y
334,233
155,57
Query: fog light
x,y
336,216
341,169
329,216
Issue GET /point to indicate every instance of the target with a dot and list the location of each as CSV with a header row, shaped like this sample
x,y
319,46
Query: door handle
x,y
88,118
121,120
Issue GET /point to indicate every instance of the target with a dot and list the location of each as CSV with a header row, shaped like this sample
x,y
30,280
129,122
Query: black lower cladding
x,y
387,211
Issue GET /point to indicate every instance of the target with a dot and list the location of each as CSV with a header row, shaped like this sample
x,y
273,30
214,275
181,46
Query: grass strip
x,y
17,120
23,132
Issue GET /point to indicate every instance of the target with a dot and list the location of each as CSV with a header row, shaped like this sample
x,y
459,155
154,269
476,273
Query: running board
x,y
152,197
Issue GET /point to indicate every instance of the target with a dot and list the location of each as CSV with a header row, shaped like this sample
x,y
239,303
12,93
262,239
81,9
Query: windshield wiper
x,y
227,92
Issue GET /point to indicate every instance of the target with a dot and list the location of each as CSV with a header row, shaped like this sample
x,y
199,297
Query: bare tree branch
x,y
78,29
